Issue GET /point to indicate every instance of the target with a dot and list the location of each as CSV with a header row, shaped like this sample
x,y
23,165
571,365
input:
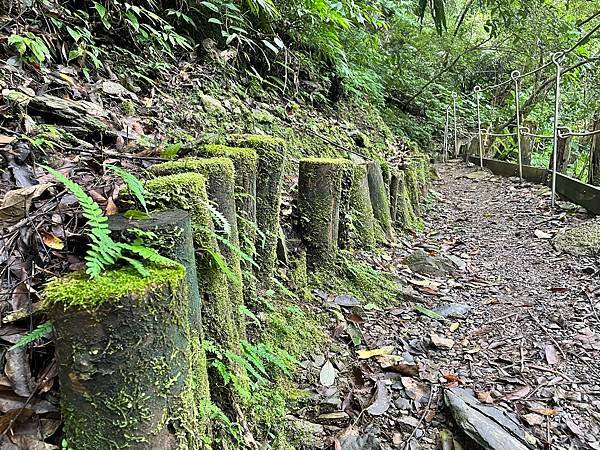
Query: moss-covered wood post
x,y
127,360
356,213
220,187
245,162
319,193
271,153
187,191
405,215
413,184
379,199
394,187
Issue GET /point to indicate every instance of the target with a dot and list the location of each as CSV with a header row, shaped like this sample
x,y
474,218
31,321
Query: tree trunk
x,y
220,176
379,199
563,155
394,187
271,158
594,174
319,195
127,360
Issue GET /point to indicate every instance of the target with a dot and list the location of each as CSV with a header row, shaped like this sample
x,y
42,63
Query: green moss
x,y
245,156
209,167
78,290
362,220
582,240
261,143
324,161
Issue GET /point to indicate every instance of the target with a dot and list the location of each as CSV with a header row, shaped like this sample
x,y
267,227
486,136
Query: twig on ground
x,y
433,393
562,352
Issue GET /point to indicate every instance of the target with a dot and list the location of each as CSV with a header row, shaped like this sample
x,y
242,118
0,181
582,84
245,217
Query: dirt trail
x,y
530,343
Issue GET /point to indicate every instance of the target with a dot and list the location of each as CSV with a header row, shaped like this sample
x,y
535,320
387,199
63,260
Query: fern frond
x,y
103,251
149,254
137,265
235,249
220,261
221,219
41,331
133,183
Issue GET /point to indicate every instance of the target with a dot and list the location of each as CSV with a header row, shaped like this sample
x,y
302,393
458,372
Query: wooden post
x,y
319,191
594,172
220,187
405,215
245,162
271,158
564,154
187,191
127,360
394,181
379,199
413,186
356,214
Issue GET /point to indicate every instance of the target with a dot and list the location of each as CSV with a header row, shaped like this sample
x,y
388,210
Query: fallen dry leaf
x,y
542,234
485,397
366,354
4,139
16,203
382,400
328,374
551,354
518,394
52,241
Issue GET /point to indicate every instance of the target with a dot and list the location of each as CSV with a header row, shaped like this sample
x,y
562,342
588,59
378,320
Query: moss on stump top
x,y
78,290
325,161
239,154
179,183
260,142
210,167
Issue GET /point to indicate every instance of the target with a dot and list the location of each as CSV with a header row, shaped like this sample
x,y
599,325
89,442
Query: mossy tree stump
x,y
356,214
245,162
319,193
413,186
127,360
271,158
394,189
405,217
187,191
379,199
220,187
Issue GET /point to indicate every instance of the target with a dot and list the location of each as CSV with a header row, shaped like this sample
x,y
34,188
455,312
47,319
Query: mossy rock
x,y
582,240
128,360
358,222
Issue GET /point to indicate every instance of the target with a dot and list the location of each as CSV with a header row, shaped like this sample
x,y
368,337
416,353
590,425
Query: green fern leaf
x,y
235,249
134,184
221,219
220,261
149,254
41,331
137,265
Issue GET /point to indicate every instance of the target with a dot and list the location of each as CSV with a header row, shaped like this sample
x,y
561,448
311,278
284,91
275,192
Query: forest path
x,y
530,342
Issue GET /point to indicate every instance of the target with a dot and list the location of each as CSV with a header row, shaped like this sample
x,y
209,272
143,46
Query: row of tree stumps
x,y
132,365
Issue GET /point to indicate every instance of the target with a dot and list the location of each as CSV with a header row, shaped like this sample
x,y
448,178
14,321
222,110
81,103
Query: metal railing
x,y
559,132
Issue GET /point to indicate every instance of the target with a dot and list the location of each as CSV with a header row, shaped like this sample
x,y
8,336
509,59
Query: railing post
x,y
445,156
454,97
515,76
556,59
477,94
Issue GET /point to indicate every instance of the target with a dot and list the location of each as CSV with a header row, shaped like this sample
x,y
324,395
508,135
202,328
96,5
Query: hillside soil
x,y
523,332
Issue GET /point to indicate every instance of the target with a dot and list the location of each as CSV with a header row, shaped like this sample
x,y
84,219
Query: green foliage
x,y
104,252
42,330
135,185
30,47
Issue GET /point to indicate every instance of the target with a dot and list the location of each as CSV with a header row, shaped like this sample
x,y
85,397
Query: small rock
x,y
402,403
441,342
334,417
212,105
533,419
407,423
421,262
456,310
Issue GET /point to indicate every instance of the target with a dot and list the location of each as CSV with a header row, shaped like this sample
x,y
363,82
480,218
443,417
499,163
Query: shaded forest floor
x,y
523,332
